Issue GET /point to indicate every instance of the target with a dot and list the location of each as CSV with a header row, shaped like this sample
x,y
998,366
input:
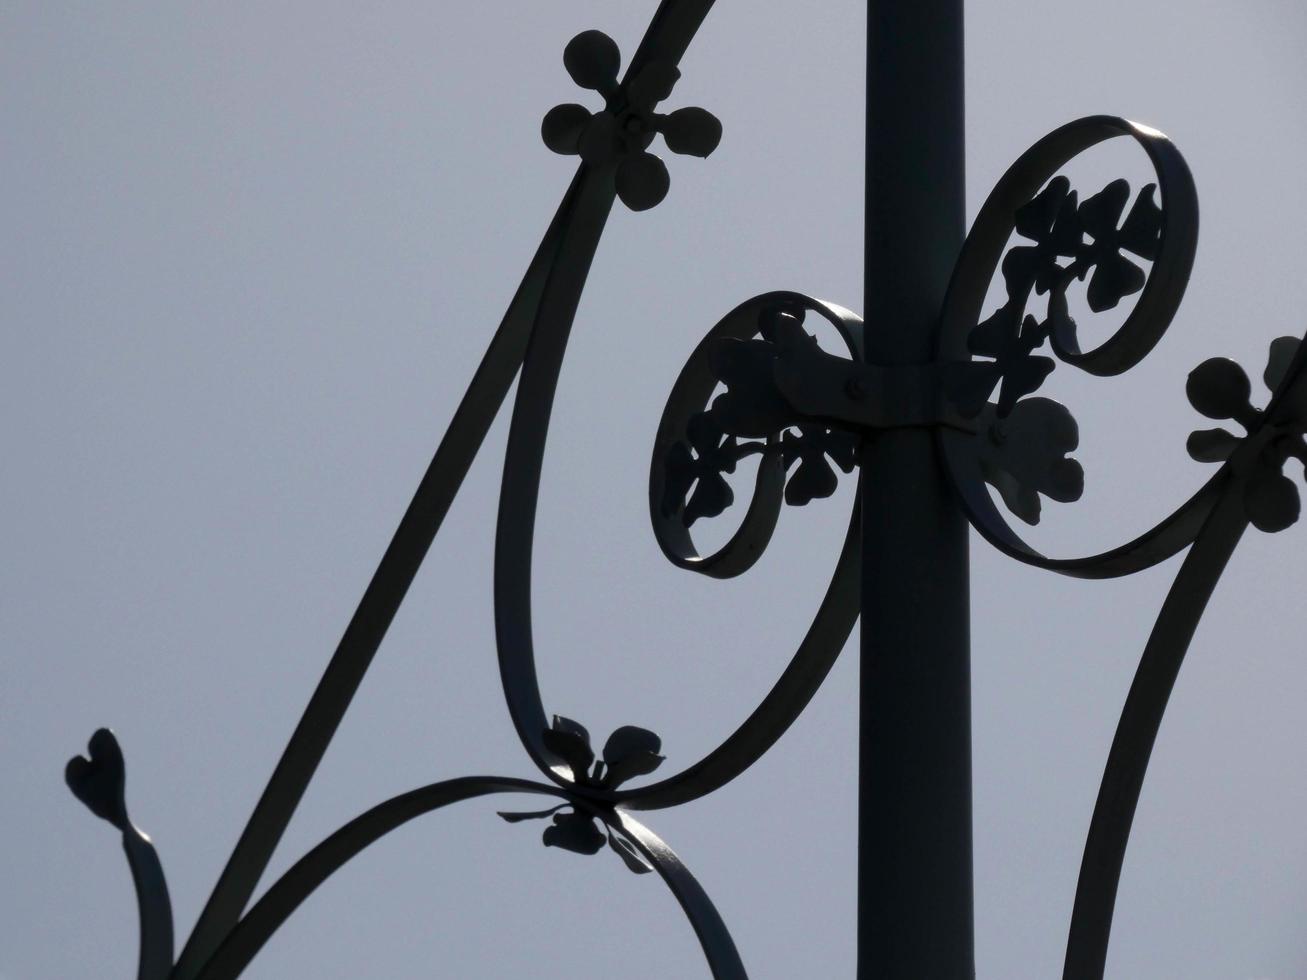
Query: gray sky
x,y
253,253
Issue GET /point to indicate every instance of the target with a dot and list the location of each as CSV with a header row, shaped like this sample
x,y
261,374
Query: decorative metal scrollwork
x,y
759,386
750,352
1019,443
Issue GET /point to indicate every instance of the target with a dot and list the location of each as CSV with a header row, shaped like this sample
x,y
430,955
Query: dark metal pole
x,y
914,847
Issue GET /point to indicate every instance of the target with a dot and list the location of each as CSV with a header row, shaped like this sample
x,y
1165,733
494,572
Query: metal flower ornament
x,y
1220,389
761,387
620,134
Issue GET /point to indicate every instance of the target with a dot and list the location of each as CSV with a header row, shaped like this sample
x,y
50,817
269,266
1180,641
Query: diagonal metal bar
x,y
1141,718
673,26
377,608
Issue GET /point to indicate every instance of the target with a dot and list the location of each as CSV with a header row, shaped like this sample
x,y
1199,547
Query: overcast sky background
x,y
252,253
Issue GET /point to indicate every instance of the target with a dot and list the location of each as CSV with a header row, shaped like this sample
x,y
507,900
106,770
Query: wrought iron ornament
x,y
760,387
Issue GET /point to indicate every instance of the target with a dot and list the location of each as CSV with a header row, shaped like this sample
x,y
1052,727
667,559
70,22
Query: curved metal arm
x,y
289,892
821,645
783,704
1274,435
99,780
1109,831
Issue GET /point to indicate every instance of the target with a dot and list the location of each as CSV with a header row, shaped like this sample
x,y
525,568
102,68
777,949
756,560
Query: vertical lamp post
x,y
934,403
914,823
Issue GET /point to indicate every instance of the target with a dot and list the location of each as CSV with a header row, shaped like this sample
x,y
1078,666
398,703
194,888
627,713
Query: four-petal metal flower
x,y
629,752
1219,389
622,131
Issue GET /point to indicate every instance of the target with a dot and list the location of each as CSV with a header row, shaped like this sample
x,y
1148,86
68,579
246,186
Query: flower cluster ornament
x,y
629,752
1219,389
623,130
753,408
1069,242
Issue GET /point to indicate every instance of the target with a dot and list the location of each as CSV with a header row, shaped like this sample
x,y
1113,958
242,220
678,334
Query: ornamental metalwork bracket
x,y
760,387
818,386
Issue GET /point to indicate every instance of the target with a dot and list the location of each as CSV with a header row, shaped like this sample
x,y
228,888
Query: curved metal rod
x,y
673,26
1118,795
1143,328
783,704
297,884
155,906
513,548
99,780
718,947
1141,718
1167,538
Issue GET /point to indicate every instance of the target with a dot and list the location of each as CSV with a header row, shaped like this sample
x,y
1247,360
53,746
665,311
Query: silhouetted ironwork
x,y
761,387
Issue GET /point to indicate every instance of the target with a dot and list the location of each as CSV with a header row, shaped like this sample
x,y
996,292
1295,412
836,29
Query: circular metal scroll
x,y
981,256
691,395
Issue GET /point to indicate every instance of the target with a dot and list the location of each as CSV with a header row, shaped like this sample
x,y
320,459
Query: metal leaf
x,y
1101,213
1280,357
630,739
570,742
1219,389
640,762
574,832
1024,456
712,496
562,127
1142,231
693,131
1212,445
1115,277
813,480
1021,377
642,181
1271,500
518,817
1022,267
1034,220
592,59
100,780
